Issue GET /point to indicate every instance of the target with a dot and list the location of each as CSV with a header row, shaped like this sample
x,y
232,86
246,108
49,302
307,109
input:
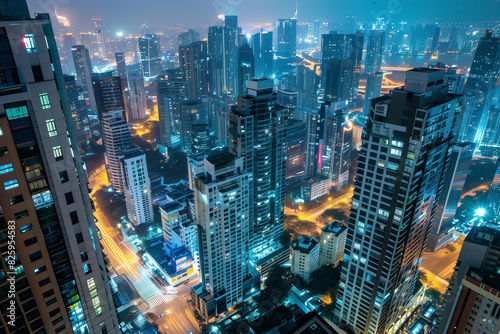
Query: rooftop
x,y
304,244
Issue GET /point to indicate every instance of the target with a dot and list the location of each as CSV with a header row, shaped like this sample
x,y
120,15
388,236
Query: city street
x,y
312,214
124,260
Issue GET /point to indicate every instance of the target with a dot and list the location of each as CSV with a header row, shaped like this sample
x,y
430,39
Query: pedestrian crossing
x,y
159,299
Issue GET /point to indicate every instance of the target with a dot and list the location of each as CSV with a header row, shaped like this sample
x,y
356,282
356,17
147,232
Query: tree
x,y
318,284
434,295
278,285
285,238
335,214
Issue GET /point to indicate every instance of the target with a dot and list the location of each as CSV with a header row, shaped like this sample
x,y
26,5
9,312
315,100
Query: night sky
x,y
117,15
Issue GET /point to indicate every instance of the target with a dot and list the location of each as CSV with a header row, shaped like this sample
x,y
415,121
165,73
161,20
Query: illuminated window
x,y
57,152
44,100
16,112
395,152
6,168
10,184
29,43
1,132
51,127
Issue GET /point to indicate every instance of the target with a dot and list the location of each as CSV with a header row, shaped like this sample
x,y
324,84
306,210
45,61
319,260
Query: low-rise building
x,y
332,243
304,256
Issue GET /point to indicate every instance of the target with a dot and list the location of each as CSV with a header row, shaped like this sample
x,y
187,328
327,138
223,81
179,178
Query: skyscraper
x,y
137,187
83,70
172,90
109,95
137,98
192,112
287,44
339,76
246,68
121,66
454,81
79,111
223,205
374,51
216,60
482,78
58,269
99,35
150,53
257,133
262,45
373,90
399,177
188,37
117,141
194,65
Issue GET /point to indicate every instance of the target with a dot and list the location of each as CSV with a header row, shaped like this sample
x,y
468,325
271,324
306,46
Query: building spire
x,y
296,10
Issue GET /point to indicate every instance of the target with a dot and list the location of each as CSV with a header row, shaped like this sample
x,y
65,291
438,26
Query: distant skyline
x,y
124,15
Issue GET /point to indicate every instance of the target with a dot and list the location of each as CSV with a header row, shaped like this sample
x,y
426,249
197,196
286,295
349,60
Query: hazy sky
x,y
119,14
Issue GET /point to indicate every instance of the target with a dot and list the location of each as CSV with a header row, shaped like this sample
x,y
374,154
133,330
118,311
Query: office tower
x,y
101,48
172,90
85,40
83,70
458,169
479,251
493,198
68,40
304,256
58,271
150,53
432,32
188,37
406,144
287,45
257,133
313,33
454,81
218,116
117,141
246,68
307,88
477,307
262,45
223,57
343,47
490,144
482,78
339,76
121,66
108,91
288,99
296,146
192,112
78,110
138,102
374,51
200,138
332,243
373,90
137,187
222,203
193,62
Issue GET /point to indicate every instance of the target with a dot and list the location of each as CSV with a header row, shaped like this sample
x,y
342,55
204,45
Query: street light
x,y
481,212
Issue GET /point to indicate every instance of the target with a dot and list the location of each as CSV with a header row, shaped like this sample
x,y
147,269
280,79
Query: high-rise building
x,y
192,112
150,53
477,306
79,111
374,51
223,205
288,99
490,143
307,88
121,66
83,70
137,98
257,133
493,197
406,145
193,62
482,79
108,91
200,138
454,81
246,68
480,251
296,146
231,31
332,243
339,76
287,45
117,141
58,282
86,40
262,45
373,90
137,187
188,37
99,35
458,169
172,90
304,256
432,32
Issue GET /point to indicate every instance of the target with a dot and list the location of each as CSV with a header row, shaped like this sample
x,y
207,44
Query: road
x,y
312,214
124,260
177,318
